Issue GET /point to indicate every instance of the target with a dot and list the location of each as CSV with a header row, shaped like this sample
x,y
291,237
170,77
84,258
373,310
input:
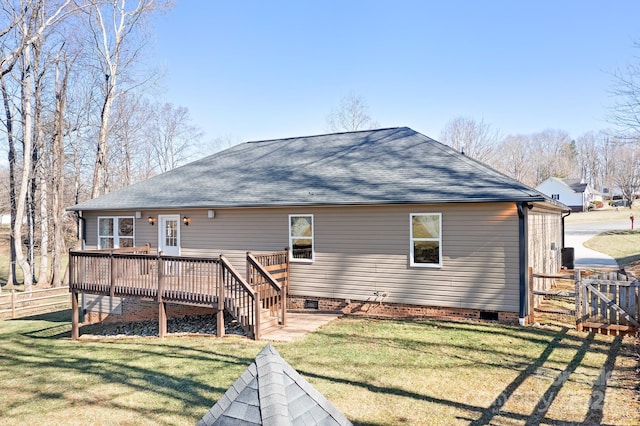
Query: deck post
x,y
75,330
220,311
285,287
162,319
162,308
257,315
283,302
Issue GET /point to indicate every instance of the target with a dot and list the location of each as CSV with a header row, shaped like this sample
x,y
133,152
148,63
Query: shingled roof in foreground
x,y
271,392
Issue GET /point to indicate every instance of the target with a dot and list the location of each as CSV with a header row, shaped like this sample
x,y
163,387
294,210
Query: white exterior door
x,y
169,234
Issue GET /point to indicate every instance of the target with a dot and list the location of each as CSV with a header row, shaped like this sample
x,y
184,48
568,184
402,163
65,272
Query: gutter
x,y
523,244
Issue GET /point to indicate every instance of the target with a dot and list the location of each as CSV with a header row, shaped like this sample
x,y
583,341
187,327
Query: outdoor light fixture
x,y
152,220
138,215
211,214
186,220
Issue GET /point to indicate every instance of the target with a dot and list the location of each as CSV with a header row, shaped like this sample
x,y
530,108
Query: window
x,y
115,232
301,237
555,196
426,239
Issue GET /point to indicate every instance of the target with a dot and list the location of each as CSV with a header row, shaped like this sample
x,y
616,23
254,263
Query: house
x,y
271,392
575,193
387,221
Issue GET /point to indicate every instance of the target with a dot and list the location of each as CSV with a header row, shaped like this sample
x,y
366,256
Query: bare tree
x,y
352,114
627,176
172,135
553,154
625,113
473,138
21,46
515,158
115,25
58,163
594,159
130,157
9,129
216,144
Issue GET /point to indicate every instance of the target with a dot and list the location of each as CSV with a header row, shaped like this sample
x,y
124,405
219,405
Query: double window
x,y
426,239
115,232
301,237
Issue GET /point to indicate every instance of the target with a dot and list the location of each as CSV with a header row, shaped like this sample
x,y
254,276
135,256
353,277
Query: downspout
x,y
568,212
82,233
523,260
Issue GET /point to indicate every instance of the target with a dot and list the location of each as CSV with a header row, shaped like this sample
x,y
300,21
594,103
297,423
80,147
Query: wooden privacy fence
x,y
198,281
608,303
603,301
18,303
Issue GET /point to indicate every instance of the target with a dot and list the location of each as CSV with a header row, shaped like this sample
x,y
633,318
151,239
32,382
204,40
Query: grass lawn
x,y
377,372
622,245
606,214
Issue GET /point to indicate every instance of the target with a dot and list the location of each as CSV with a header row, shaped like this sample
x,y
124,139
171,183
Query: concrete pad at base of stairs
x,y
299,324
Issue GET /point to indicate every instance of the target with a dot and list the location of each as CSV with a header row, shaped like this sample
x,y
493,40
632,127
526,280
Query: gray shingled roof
x,y
271,392
385,166
577,185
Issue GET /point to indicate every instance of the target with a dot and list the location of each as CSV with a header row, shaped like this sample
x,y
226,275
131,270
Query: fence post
x,y
13,304
578,299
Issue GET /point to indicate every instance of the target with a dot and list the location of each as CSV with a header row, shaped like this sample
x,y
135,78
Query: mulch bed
x,y
205,325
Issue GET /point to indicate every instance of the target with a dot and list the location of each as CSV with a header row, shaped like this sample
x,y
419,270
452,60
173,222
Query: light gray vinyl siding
x,y
364,249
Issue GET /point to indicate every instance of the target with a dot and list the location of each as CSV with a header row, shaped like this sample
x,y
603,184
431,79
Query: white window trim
x,y
116,238
411,240
313,239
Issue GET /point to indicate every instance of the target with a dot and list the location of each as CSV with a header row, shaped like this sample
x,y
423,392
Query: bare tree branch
x,y
351,115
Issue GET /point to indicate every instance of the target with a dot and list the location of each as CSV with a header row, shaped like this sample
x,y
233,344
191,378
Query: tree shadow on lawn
x,y
561,340
123,366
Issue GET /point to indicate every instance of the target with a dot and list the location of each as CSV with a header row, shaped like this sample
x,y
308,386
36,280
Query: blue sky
x,y
251,70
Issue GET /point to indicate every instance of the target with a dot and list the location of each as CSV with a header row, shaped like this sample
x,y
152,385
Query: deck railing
x,y
165,278
201,281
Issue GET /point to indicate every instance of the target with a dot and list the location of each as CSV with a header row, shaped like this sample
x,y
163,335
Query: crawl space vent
x,y
311,304
491,316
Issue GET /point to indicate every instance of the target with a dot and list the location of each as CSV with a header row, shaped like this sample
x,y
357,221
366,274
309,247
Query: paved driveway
x,y
575,234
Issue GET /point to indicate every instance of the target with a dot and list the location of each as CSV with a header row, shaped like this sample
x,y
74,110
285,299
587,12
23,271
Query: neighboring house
x,y
385,219
5,219
574,193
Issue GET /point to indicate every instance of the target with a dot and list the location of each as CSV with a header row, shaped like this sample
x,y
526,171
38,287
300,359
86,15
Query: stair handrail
x,y
248,290
280,289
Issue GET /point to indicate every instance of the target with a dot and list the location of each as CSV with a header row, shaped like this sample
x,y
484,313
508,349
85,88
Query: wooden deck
x,y
196,281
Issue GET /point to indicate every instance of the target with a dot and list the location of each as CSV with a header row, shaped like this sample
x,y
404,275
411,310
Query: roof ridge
x,y
327,134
